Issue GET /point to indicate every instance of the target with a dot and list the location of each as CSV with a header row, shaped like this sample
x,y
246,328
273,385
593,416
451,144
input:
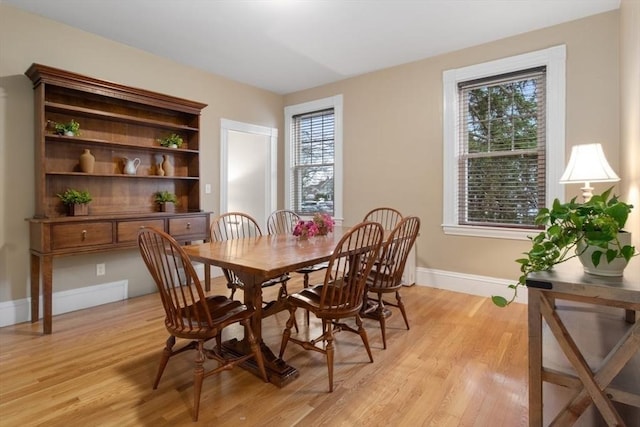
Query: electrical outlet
x,y
100,270
207,188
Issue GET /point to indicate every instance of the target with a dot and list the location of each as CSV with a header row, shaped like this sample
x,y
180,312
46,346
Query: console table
x,y
82,235
587,380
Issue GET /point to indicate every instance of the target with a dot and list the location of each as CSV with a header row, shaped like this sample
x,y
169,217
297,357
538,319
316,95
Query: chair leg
x,y
198,376
283,295
382,320
363,335
401,307
219,340
287,330
166,354
255,349
329,351
305,283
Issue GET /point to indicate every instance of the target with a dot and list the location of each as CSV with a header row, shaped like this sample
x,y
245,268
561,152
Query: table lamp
x,y
588,164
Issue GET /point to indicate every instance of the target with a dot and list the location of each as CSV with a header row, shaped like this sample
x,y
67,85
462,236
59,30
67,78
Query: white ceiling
x,y
288,45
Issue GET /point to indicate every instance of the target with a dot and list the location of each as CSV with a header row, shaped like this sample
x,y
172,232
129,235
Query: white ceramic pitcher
x,y
131,166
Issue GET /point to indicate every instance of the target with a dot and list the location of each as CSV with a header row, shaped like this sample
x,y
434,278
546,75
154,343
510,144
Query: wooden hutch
x,y
116,123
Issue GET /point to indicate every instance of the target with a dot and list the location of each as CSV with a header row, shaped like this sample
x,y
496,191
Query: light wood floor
x,y
463,363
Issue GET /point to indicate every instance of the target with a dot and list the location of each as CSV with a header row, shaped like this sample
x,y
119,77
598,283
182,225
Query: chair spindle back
x,y
345,279
387,217
388,269
177,282
282,222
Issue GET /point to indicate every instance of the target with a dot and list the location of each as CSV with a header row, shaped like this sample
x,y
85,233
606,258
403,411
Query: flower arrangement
x,y
320,225
324,222
304,229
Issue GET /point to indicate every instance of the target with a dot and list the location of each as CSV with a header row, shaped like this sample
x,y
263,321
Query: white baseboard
x,y
468,283
18,311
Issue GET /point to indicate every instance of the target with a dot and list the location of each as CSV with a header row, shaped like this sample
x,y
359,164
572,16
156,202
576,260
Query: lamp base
x,y
587,192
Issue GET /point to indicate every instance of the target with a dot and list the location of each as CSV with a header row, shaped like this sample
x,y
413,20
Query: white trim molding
x,y
468,283
554,58
334,102
271,177
18,311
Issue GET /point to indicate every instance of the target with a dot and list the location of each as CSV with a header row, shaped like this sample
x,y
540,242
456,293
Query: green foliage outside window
x,y
501,164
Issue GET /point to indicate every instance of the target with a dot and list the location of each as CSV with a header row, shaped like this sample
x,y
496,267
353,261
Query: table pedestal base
x,y
278,371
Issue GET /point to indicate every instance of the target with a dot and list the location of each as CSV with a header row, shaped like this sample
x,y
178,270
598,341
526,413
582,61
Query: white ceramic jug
x,y
131,166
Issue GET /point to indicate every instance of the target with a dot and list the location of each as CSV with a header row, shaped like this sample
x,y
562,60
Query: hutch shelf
x,y
118,124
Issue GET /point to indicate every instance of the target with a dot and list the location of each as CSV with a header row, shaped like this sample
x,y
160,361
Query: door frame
x,y
271,174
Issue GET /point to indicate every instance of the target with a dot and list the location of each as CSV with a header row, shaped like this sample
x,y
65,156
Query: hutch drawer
x,y
188,226
128,230
80,235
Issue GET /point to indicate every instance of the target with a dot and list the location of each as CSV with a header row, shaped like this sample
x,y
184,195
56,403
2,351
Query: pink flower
x,y
324,222
305,228
321,224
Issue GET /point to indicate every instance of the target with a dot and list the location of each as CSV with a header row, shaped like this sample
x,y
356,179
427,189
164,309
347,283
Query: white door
x,y
248,169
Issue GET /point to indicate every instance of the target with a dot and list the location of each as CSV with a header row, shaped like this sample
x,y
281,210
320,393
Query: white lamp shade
x,y
588,164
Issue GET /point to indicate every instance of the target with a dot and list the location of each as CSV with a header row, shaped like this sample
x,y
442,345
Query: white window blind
x,y
313,137
502,140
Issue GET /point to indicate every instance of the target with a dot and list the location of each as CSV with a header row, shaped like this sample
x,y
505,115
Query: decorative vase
x,y
167,167
159,170
614,268
87,161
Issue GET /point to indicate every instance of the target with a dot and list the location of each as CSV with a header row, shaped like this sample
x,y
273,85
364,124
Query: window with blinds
x,y
501,161
313,140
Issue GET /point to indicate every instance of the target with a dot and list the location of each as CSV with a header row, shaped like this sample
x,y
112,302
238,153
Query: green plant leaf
x,y
627,252
499,301
619,212
596,222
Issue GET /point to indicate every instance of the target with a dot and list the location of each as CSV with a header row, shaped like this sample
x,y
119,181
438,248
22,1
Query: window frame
x,y
334,102
554,59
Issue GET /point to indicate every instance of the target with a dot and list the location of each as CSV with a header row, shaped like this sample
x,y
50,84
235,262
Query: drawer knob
x,y
84,234
188,225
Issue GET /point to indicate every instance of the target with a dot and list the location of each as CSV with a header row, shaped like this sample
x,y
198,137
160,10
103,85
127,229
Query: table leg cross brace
x,y
593,385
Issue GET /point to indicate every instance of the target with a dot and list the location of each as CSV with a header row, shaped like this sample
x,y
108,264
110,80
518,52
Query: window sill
x,y
491,232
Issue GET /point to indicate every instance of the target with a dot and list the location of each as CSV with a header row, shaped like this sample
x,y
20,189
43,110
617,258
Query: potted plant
x,y
76,201
71,128
166,201
592,231
171,141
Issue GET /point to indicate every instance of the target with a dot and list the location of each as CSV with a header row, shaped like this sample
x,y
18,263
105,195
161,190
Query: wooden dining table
x,y
256,260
